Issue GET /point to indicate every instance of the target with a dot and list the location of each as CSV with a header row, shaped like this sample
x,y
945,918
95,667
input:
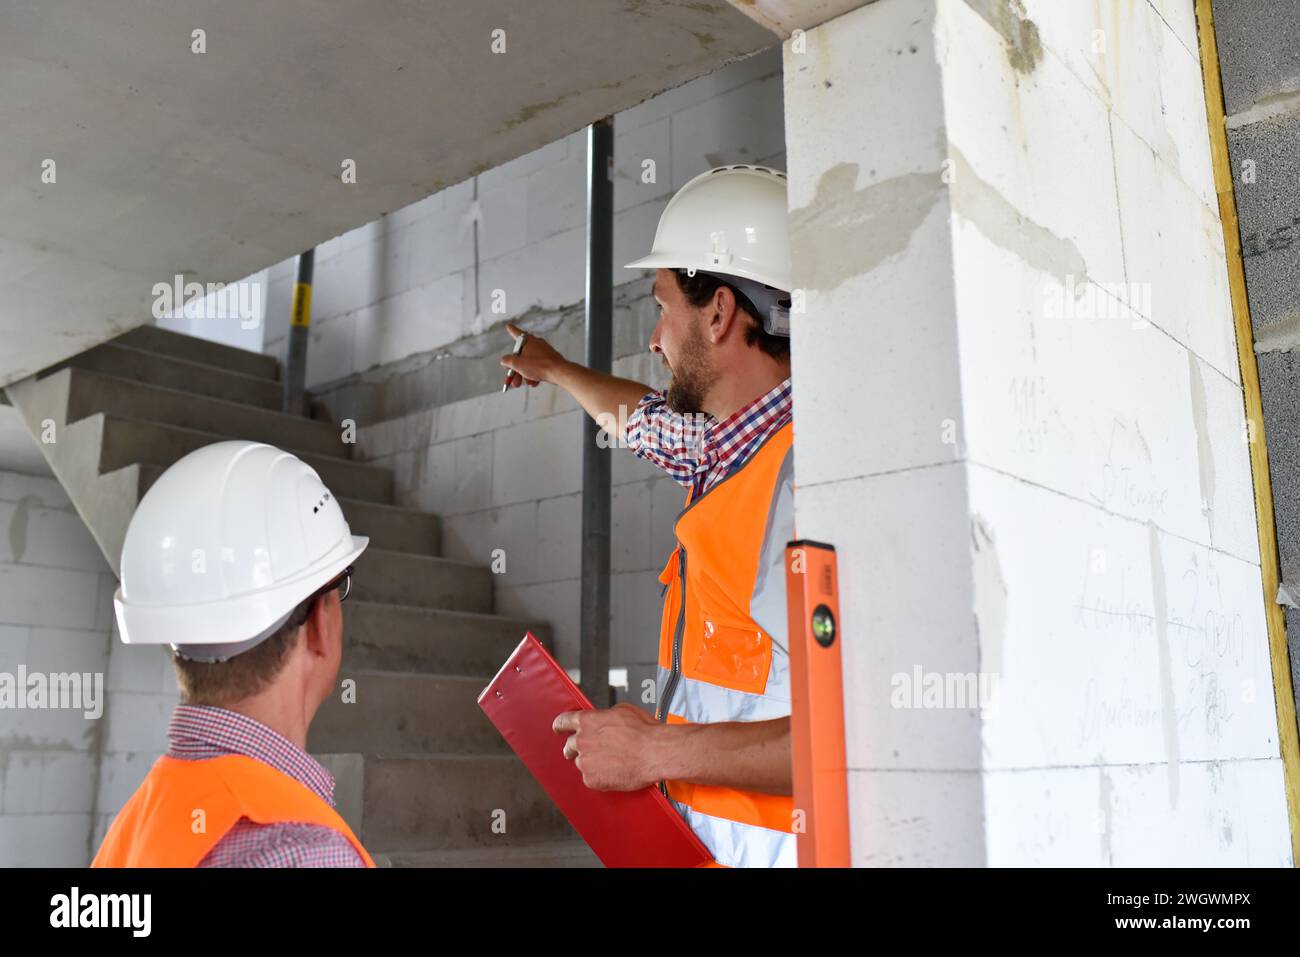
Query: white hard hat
x,y
225,545
731,222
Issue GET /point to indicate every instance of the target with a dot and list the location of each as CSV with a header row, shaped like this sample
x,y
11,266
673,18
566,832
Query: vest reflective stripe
x,y
156,826
741,845
767,604
695,697
724,628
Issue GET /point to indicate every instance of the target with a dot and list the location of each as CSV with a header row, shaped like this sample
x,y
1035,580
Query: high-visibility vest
x,y
723,649
160,825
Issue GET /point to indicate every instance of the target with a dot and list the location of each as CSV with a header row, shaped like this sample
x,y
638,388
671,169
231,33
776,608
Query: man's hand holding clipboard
x,y
625,828
617,762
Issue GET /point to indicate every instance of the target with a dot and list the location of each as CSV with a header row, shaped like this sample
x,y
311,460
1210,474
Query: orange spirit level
x,y
821,793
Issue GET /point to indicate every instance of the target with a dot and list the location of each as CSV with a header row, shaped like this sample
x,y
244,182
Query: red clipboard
x,y
623,828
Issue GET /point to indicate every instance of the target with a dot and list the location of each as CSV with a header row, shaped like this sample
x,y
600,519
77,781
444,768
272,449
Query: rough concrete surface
x,y
1269,210
1279,374
1259,50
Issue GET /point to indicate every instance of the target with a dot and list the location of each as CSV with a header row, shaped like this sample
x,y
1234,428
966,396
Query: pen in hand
x,y
519,347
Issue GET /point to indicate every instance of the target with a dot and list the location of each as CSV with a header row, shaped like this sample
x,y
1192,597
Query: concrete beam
x,y
783,17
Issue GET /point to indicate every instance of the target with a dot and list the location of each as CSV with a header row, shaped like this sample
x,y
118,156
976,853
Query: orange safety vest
x,y
155,828
723,649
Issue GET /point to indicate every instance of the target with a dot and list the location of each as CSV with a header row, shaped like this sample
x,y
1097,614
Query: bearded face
x,y
692,374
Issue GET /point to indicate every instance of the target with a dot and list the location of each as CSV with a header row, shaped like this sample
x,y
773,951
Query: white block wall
x,y
142,693
63,776
505,471
1060,500
55,617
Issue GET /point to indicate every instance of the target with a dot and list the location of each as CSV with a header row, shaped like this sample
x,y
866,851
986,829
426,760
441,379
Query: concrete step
x,y
396,713
92,392
443,802
127,441
550,854
400,578
180,346
392,528
388,526
428,641
171,372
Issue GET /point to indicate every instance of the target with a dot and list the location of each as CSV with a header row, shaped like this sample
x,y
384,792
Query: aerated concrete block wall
x,y
65,772
142,693
406,334
1020,419
56,612
1259,57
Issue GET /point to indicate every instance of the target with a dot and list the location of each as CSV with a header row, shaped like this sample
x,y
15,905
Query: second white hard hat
x,y
732,222
227,542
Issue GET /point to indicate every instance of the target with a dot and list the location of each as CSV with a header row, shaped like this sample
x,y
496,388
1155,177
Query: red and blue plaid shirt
x,y
200,732
696,449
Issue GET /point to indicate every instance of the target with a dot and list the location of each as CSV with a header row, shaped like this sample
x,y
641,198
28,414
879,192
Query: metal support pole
x,y
594,620
295,367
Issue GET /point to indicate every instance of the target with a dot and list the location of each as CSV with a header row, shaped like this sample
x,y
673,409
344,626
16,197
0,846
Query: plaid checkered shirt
x,y
199,732
696,449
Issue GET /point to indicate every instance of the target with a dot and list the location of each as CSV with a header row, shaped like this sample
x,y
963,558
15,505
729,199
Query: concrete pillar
x,y
1018,416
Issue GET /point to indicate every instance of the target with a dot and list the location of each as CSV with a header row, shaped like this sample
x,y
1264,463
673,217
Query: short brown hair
x,y
221,683
699,289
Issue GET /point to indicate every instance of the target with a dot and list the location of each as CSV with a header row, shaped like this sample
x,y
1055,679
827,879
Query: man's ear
x,y
316,627
723,313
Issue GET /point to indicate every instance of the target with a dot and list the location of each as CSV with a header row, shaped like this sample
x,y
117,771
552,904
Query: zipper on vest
x,y
676,671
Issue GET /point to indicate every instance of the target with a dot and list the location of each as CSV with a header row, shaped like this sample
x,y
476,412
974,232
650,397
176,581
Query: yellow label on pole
x,y
301,315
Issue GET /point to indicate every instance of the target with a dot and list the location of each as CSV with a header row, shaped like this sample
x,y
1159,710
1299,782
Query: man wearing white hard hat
x,y
719,744
237,558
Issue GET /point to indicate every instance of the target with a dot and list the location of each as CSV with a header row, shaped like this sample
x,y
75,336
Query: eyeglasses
x,y
343,582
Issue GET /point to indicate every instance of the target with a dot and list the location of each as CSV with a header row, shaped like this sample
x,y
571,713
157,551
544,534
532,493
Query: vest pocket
x,y
734,654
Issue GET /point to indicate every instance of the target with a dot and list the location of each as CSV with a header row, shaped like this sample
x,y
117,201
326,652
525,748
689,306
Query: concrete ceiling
x,y
783,17
213,165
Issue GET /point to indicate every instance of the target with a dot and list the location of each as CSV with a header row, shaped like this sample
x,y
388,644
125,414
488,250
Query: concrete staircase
x,y
422,777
